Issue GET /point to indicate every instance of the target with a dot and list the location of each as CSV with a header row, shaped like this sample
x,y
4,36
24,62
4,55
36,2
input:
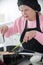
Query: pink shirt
x,y
19,25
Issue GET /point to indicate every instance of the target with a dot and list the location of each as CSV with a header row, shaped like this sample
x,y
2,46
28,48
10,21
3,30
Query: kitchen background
x,y
8,13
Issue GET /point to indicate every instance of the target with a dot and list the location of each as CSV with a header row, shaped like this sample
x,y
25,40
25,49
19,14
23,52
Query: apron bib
x,y
33,44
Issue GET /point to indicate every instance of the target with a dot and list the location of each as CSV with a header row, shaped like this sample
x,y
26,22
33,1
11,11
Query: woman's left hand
x,y
29,35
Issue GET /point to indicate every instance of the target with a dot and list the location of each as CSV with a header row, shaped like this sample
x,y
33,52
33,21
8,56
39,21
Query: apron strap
x,y
37,21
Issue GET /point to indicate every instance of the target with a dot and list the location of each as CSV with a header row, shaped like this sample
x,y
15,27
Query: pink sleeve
x,y
12,30
39,35
16,28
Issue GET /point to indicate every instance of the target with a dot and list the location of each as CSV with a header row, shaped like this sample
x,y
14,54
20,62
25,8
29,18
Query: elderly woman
x,y
30,26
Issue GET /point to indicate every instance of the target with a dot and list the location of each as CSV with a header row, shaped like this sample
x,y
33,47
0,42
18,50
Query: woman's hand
x,y
3,29
29,35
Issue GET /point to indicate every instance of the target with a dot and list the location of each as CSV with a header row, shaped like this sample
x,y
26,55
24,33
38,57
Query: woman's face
x,y
27,12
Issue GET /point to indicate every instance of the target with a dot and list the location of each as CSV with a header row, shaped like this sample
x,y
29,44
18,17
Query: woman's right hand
x,y
3,29
29,35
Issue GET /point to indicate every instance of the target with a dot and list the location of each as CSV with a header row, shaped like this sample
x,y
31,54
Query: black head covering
x,y
31,3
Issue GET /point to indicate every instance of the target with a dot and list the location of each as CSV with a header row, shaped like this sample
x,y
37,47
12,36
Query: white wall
x,y
41,3
8,10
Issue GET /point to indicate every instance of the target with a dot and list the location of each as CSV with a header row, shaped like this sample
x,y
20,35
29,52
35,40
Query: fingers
x,y
29,35
3,29
26,39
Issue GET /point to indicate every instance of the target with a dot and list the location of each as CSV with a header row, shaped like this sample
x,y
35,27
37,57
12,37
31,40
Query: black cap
x,y
31,3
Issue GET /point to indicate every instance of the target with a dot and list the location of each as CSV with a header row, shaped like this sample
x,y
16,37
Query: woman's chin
x,y
26,18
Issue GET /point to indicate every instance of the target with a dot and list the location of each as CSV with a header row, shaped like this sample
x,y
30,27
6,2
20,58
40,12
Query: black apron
x,y
33,44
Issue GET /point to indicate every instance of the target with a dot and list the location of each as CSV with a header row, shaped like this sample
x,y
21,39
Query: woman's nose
x,y
24,13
